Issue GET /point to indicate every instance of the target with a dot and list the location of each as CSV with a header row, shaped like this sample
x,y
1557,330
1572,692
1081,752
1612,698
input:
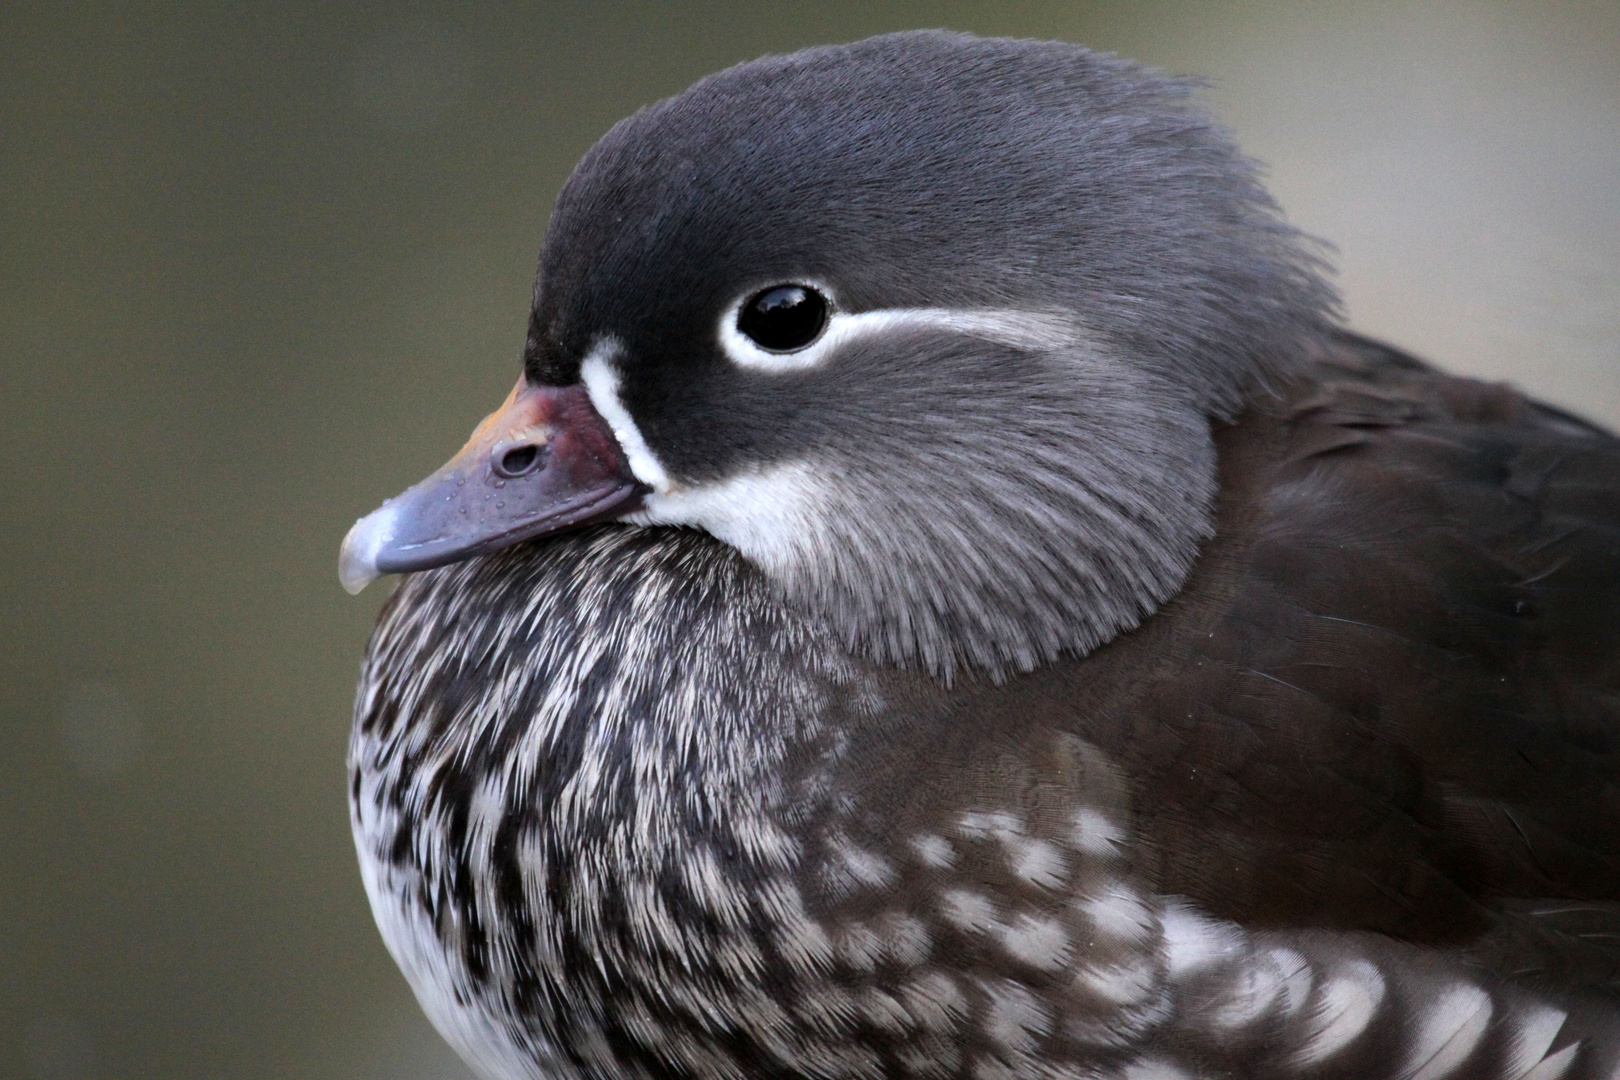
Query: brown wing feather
x,y
1389,699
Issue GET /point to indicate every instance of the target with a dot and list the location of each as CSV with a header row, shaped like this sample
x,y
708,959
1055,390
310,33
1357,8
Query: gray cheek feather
x,y
996,528
946,502
613,822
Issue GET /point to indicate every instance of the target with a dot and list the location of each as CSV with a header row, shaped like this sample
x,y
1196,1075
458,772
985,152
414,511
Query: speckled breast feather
x,y
622,814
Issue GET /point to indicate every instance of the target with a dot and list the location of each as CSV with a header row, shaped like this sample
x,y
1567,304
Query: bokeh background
x,y
263,264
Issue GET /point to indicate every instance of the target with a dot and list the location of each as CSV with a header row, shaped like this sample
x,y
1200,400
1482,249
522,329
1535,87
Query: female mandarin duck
x,y
944,600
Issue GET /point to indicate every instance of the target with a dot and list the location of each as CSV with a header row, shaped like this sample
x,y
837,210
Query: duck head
x,y
930,328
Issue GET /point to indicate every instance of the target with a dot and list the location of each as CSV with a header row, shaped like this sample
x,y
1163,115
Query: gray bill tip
x,y
357,561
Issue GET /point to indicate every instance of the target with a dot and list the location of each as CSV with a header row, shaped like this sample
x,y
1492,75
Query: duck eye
x,y
783,318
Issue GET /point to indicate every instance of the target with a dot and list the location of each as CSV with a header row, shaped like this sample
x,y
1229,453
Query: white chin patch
x,y
768,514
1019,329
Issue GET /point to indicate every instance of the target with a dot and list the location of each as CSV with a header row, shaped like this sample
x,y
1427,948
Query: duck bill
x,y
544,461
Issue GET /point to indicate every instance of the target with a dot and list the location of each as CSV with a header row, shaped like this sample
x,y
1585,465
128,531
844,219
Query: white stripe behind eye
x,y
601,381
1020,329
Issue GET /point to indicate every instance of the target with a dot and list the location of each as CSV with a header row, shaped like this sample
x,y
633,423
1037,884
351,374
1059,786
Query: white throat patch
x,y
769,514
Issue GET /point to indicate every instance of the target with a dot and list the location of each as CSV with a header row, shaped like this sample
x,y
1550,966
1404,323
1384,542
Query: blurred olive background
x,y
262,265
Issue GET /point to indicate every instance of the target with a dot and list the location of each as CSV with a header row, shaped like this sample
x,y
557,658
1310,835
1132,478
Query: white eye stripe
x,y
1020,329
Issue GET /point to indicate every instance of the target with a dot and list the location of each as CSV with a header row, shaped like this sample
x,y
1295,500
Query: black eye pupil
x,y
784,318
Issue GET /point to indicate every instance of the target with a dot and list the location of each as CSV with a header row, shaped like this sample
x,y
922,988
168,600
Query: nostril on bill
x,y
516,461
